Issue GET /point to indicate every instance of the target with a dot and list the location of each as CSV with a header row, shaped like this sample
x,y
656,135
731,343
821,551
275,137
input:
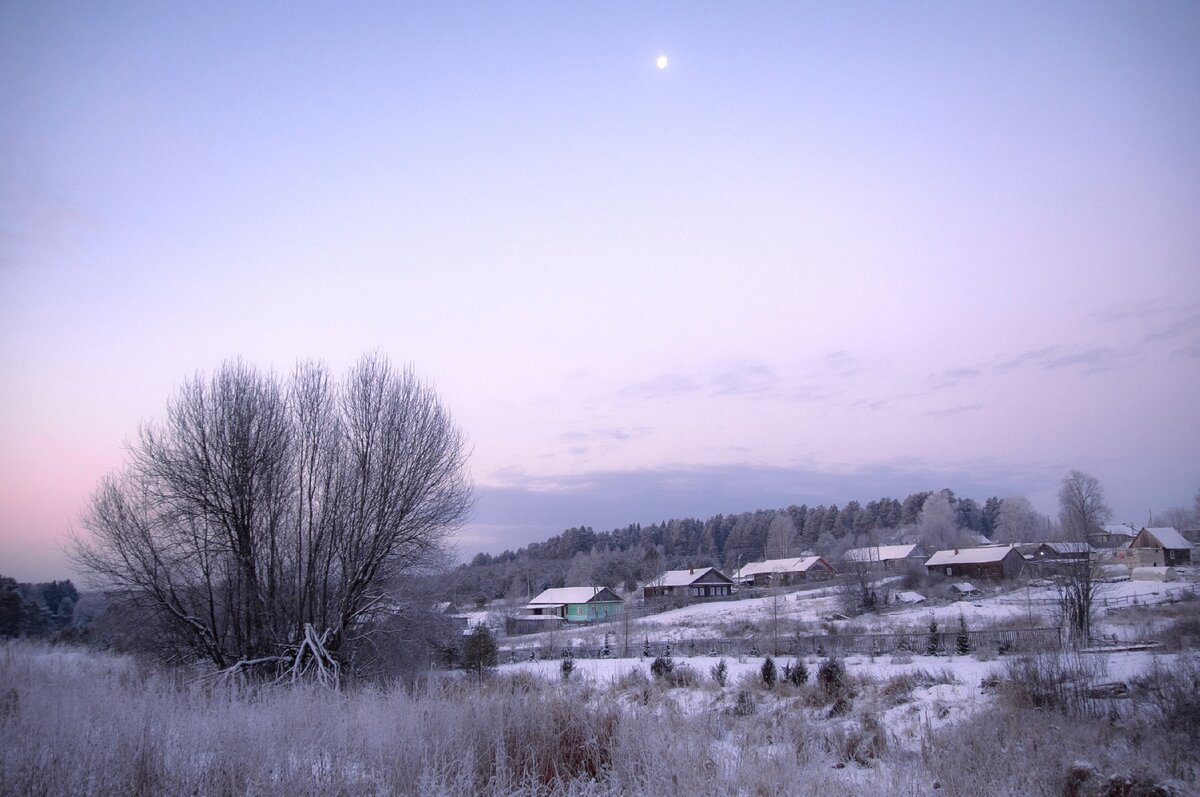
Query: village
x,y
811,597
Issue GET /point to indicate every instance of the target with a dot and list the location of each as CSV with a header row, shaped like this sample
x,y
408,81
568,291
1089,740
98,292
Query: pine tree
x,y
768,672
962,642
934,640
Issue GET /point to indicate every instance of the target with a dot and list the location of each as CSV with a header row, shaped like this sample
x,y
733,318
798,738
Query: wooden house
x,y
696,583
884,556
998,562
784,572
1112,537
577,604
1161,547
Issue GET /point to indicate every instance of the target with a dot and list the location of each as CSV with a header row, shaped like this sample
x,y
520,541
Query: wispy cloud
x,y
611,434
1088,361
950,412
746,379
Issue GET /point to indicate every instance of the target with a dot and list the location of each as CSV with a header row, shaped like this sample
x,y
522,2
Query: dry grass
x,y
79,723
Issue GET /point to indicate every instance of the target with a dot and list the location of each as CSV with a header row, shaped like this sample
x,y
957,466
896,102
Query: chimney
x,y
691,570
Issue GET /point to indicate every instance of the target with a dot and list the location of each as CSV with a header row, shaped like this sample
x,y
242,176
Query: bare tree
x,y
781,537
1082,510
1179,518
1019,521
262,520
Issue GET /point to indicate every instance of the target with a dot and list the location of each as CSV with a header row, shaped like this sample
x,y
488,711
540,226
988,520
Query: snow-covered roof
x,y
1123,530
1068,547
1168,537
797,565
910,597
560,596
973,556
966,588
879,553
680,578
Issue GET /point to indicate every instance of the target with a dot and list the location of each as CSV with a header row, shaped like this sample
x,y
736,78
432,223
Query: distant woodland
x,y
622,558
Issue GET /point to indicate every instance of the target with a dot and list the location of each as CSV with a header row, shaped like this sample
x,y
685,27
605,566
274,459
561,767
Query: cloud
x,y
952,411
1089,361
611,434
736,380
1026,358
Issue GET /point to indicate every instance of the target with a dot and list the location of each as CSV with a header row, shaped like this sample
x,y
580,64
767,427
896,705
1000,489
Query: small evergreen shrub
x,y
768,673
798,673
662,666
566,668
720,673
962,642
831,678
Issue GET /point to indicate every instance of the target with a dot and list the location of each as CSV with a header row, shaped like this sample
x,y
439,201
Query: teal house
x,y
577,604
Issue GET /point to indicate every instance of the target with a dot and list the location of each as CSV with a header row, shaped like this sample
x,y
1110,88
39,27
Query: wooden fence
x,y
997,641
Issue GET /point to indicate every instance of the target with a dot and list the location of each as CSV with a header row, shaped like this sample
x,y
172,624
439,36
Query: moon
x,y
661,62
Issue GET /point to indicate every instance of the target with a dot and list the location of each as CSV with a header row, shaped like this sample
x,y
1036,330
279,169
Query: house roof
x,y
560,596
972,556
879,553
682,578
1122,530
910,597
797,565
1068,547
1169,538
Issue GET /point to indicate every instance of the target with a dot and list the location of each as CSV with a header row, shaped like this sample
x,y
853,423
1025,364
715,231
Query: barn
x,y
997,562
783,572
1161,547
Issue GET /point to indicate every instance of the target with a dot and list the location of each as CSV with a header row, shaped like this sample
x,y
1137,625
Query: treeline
x,y
624,557
41,611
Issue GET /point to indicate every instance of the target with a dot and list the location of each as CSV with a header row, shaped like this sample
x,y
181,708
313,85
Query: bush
x,y
479,650
720,673
662,666
767,673
798,673
566,668
683,675
831,677
745,705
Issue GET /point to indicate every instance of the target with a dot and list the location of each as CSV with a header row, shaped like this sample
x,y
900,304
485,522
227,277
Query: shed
x,y
1062,551
782,572
699,584
885,555
1001,561
1168,545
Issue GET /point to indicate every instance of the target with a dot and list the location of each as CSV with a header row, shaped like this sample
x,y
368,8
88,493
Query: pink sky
x,y
832,252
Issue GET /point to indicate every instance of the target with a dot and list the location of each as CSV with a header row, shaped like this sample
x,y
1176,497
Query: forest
x,y
624,557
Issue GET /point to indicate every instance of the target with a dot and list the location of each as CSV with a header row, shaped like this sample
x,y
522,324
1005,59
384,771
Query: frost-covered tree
x,y
1018,521
938,527
781,537
262,521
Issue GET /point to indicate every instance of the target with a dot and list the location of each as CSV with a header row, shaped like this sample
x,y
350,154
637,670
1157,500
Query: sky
x,y
832,251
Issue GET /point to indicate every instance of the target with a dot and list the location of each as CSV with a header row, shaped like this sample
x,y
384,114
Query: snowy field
x,y
1018,606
